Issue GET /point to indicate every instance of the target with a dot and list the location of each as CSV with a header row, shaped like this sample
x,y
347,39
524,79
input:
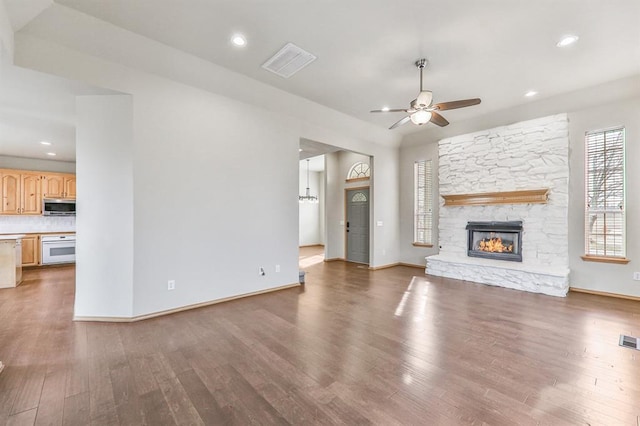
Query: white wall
x,y
408,156
195,157
334,223
6,35
211,205
612,278
104,229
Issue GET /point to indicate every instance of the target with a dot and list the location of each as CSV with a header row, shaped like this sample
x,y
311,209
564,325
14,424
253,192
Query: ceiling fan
x,y
422,109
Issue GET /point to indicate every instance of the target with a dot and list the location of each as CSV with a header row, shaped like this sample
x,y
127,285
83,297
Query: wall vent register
x,y
629,342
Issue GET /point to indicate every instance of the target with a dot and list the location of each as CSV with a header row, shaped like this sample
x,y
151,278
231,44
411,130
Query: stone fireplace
x,y
515,178
495,240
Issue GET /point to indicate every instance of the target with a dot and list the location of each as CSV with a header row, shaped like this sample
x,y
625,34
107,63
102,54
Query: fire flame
x,y
494,245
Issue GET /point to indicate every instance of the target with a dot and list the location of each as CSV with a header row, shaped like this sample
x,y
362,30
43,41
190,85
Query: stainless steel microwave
x,y
58,207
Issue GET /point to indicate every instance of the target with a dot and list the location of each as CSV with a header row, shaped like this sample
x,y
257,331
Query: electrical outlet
x,y
171,285
277,268
261,271
636,276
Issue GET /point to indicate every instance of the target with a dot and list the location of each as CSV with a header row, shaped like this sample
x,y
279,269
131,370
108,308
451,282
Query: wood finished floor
x,y
350,347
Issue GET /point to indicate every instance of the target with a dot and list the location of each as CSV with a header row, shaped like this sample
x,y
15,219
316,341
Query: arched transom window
x,y
359,197
359,171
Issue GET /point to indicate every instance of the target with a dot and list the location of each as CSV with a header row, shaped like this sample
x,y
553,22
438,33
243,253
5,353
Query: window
x,y
604,195
423,203
359,171
359,197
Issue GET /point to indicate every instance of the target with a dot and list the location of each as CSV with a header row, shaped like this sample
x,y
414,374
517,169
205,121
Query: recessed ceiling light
x,y
531,93
52,154
238,40
567,40
385,109
45,143
299,149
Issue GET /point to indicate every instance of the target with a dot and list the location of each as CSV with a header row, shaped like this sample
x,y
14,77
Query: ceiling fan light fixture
x,y
420,117
424,98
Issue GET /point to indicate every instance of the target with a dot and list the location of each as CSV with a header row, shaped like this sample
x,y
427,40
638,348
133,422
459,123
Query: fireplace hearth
x,y
495,240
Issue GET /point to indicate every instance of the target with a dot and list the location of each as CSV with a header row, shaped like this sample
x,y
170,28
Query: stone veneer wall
x,y
532,154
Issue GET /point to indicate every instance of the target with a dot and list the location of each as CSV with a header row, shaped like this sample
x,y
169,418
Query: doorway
x,y
357,225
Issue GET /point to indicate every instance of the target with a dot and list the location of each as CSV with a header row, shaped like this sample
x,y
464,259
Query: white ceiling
x,y
316,164
496,50
37,107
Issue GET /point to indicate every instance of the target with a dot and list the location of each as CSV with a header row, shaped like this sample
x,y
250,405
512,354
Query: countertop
x,y
12,237
39,233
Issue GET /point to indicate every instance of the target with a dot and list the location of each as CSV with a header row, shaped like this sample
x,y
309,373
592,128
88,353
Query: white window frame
x,y
423,204
602,169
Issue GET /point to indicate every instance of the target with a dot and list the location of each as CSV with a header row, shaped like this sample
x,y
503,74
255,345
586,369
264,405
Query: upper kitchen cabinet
x,y
20,193
52,186
70,186
31,196
58,186
10,193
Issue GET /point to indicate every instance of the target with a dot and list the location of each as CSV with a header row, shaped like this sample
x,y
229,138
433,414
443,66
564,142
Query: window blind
x,y
423,202
605,188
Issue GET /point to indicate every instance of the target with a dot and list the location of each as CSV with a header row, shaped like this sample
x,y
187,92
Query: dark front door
x,y
357,226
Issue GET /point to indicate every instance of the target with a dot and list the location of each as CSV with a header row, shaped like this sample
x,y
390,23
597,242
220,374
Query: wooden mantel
x,y
530,196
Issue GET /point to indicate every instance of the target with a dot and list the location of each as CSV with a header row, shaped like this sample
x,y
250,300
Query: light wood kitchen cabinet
x,y
70,186
31,196
20,193
10,193
52,186
58,186
30,250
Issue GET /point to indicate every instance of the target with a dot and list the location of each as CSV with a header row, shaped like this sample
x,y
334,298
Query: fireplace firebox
x,y
495,240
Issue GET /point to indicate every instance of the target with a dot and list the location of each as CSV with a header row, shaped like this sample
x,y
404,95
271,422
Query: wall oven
x,y
58,249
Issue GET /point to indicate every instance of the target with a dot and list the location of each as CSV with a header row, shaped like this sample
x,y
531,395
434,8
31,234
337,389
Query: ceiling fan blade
x,y
438,119
389,110
443,106
400,122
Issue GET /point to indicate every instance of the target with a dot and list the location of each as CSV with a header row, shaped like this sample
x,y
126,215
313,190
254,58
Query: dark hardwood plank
x,y
351,346
155,409
51,405
30,390
25,418
204,403
127,403
179,403
76,409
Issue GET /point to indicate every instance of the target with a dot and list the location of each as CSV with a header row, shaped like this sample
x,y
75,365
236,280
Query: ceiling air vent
x,y
288,61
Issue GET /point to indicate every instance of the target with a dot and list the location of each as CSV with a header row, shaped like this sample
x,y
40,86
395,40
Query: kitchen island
x,y
10,260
